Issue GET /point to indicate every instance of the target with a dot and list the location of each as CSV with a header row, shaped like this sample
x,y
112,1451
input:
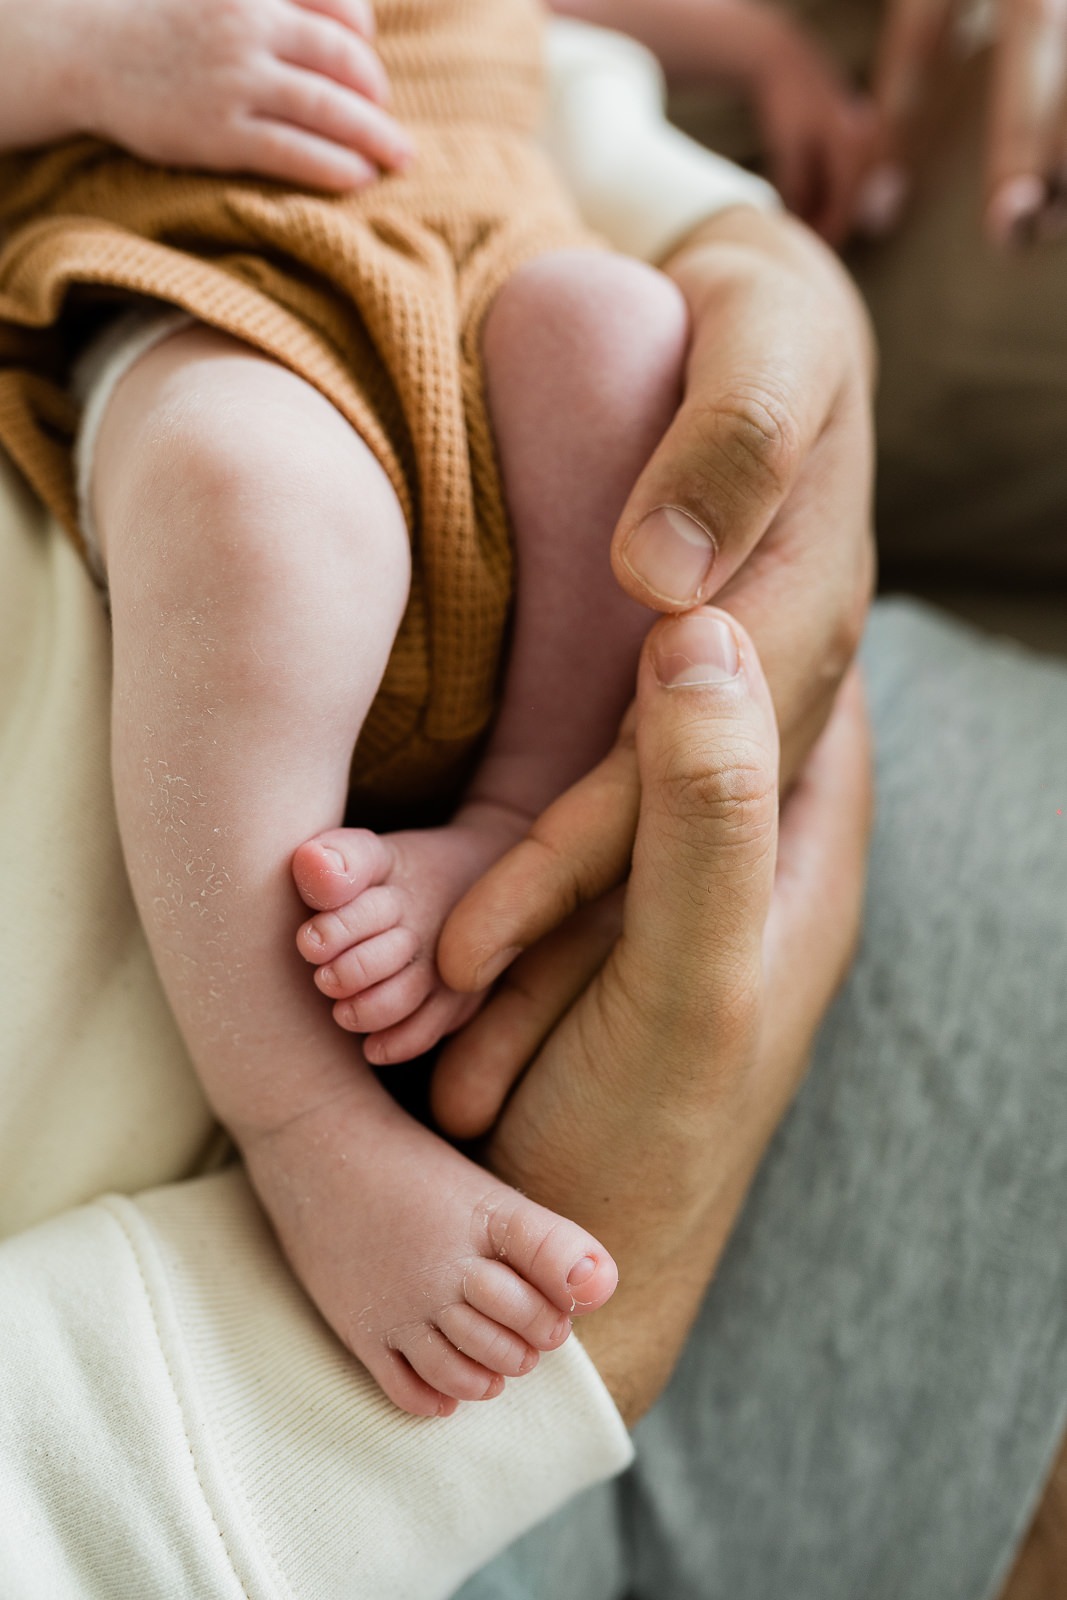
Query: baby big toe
x,y
557,1257
334,867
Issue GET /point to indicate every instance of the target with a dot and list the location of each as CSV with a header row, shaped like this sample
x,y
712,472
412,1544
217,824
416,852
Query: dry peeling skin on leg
x,y
229,644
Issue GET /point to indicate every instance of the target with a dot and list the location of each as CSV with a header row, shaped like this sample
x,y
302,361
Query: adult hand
x,y
290,89
818,132
648,1109
758,495
1026,153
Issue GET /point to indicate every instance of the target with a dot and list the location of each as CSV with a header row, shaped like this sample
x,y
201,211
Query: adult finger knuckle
x,y
733,792
750,445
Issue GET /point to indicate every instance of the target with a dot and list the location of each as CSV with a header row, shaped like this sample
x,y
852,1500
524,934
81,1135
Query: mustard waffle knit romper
x,y
376,298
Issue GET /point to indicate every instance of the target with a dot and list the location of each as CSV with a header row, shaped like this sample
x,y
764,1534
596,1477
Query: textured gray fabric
x,y
878,1382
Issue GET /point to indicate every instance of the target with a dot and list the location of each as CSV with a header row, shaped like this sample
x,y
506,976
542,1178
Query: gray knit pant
x,y
878,1382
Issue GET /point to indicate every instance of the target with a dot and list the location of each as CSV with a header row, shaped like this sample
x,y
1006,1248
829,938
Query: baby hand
x,y
288,89
819,135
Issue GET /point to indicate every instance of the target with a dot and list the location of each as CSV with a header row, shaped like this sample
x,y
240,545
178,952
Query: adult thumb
x,y
761,380
704,856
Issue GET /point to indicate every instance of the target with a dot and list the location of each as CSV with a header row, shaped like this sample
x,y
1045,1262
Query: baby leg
x,y
584,357
258,566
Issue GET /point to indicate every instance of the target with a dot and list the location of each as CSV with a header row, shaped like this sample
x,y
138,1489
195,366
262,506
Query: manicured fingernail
x,y
582,1272
881,200
336,860
671,553
695,651
1014,209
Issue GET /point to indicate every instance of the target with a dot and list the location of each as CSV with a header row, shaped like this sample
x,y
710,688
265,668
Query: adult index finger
x,y
773,331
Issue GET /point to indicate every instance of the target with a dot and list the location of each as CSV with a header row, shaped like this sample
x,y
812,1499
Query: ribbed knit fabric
x,y
376,298
177,1421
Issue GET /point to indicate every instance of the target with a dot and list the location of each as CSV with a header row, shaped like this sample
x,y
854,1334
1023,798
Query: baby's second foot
x,y
442,1280
382,900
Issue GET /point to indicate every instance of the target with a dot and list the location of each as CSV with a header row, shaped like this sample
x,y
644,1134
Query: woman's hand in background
x,y
1026,149
818,133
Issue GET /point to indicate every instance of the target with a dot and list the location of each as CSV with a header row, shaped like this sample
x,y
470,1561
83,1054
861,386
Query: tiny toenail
x,y
313,936
336,860
582,1272
327,975
561,1330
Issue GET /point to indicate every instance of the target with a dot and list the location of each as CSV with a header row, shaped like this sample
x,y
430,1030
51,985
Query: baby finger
x,y
290,155
331,112
321,45
355,14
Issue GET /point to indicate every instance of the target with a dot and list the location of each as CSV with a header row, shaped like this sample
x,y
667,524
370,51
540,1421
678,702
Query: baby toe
x,y
374,911
397,1379
441,1012
485,1341
387,1003
500,1294
363,965
435,1359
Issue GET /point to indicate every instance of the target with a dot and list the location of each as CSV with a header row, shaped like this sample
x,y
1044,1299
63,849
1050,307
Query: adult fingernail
x,y
881,200
1014,209
695,651
671,553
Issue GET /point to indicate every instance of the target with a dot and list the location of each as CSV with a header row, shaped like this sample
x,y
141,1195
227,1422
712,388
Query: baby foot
x,y
382,900
442,1280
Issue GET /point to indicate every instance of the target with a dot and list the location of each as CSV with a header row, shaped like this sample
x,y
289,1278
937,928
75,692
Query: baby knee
x,y
607,320
246,478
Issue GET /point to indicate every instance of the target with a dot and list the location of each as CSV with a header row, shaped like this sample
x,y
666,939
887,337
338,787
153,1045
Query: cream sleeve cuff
x,y
636,179
176,1420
